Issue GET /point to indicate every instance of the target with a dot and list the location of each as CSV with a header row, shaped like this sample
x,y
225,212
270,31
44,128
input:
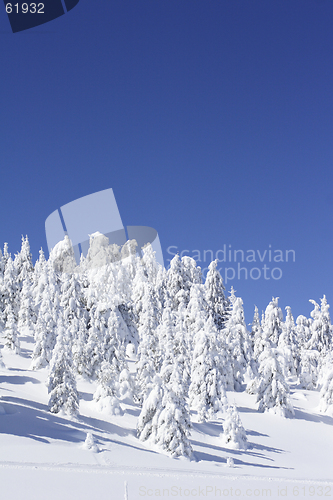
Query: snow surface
x,y
46,456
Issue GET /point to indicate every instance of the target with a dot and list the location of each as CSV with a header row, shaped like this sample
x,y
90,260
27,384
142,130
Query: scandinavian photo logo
x,y
240,264
91,227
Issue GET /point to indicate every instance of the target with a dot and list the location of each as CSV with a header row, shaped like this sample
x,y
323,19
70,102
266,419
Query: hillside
x,y
121,379
42,454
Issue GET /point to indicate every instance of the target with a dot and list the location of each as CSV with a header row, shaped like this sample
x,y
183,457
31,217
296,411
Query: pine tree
x,y
180,277
150,265
61,381
308,368
40,264
5,255
2,271
27,316
273,391
326,392
48,311
2,266
273,322
93,354
321,335
148,350
192,275
129,325
234,435
196,311
11,333
2,365
165,331
174,281
207,389
182,343
238,342
115,339
138,291
314,340
174,425
218,304
147,425
303,332
9,291
23,263
287,346
259,338
165,418
259,343
39,280
124,282
255,328
73,305
114,352
160,288
79,347
131,259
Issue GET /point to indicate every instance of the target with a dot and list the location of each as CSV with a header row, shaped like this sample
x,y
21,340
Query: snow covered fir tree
x,y
174,345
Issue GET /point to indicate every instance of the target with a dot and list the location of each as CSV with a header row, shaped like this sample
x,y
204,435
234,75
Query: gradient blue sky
x,y
211,120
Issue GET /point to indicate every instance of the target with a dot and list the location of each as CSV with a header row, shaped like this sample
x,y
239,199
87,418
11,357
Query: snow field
x,y
101,367
38,449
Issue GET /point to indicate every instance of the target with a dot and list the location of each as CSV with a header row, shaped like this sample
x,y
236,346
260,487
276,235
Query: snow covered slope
x,y
44,456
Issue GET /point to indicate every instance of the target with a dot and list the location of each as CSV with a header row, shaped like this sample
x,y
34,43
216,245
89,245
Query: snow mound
x,y
109,405
90,443
62,256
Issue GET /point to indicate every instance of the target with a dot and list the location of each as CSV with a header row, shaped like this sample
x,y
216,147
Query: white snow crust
x,y
43,455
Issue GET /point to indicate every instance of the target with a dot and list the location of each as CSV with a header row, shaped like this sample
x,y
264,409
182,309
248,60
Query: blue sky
x,y
211,120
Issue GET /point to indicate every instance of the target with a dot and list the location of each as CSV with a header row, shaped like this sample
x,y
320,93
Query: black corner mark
x,y
25,15
70,4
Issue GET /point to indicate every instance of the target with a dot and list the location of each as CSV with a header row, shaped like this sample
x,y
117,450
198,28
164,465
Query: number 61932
x,y
32,8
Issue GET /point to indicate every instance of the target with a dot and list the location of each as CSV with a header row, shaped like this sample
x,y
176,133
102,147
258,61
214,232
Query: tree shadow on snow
x,y
135,412
86,396
16,370
25,402
25,353
134,447
255,433
39,425
206,457
27,338
311,417
266,448
208,428
33,420
105,426
245,409
250,451
17,379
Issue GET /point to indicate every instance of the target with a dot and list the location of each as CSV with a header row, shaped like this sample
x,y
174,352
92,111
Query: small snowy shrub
x,y
234,434
90,443
105,396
